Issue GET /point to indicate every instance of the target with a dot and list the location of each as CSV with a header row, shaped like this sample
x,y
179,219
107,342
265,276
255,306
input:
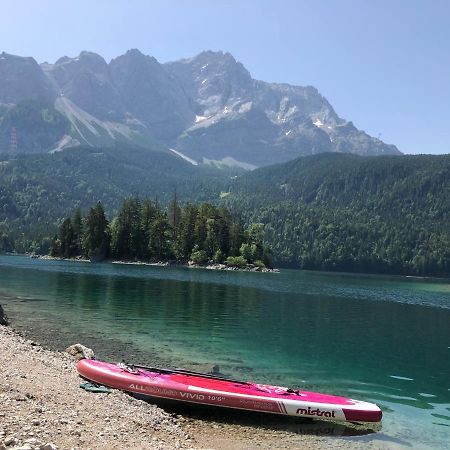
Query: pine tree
x,y
66,238
96,237
55,248
77,227
149,212
159,245
174,217
236,238
127,235
187,241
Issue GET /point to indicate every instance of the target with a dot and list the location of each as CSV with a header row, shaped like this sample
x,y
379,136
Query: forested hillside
x,y
38,191
386,214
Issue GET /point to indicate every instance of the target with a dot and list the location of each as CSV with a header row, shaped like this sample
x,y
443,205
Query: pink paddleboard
x,y
210,390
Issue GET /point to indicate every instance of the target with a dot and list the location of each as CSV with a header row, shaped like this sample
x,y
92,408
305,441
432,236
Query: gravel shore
x,y
43,407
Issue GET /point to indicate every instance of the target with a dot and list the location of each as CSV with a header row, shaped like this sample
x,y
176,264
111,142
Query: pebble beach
x,y
43,407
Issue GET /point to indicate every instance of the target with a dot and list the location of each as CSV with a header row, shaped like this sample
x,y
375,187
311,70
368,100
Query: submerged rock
x,y
80,351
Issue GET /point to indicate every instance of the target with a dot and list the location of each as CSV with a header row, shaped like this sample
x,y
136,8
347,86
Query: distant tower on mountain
x,y
13,140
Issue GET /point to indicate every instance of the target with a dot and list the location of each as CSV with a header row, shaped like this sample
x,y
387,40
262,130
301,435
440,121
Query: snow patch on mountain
x,y
318,123
199,118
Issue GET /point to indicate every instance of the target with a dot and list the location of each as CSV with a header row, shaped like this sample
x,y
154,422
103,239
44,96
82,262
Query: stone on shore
x,y
80,352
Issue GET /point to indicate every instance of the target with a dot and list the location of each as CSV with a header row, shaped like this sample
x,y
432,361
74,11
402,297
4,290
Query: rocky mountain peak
x,y
21,78
85,80
215,79
67,68
137,57
91,60
151,94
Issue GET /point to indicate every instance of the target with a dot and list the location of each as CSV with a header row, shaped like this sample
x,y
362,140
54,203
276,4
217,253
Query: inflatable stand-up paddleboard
x,y
213,390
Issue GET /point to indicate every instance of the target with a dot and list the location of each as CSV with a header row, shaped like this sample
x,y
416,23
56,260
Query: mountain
x,y
151,95
207,109
23,79
257,122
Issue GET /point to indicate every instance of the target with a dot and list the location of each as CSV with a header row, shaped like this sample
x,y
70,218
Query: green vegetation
x,y
387,214
38,190
142,231
343,212
39,126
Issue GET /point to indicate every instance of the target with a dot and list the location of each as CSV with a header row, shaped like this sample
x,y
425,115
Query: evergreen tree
x,y
159,245
55,248
96,239
236,238
174,216
200,230
223,219
149,212
255,236
66,239
187,231
212,242
77,227
127,235
5,243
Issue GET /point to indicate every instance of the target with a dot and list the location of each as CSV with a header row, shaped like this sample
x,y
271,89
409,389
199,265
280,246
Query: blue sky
x,y
385,65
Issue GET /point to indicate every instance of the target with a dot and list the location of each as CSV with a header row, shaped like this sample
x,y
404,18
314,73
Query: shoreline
x,y
267,270
188,265
44,408
41,400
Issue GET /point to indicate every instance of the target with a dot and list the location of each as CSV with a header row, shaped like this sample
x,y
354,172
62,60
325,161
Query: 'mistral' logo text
x,y
315,412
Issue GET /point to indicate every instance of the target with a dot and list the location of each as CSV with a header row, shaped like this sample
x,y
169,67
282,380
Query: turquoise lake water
x,y
376,338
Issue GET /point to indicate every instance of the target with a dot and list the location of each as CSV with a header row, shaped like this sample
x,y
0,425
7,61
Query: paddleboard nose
x,y
372,414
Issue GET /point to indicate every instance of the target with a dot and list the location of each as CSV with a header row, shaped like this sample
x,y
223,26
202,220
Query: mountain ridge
x,y
207,108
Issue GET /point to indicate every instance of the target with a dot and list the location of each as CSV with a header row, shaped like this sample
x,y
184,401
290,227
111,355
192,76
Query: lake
x,y
377,338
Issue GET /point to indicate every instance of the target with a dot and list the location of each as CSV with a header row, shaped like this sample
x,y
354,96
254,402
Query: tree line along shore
x,y
143,231
334,212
